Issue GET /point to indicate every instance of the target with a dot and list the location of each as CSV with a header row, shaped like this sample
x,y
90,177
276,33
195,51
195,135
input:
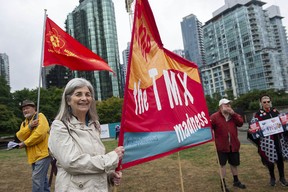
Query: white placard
x,y
105,131
271,126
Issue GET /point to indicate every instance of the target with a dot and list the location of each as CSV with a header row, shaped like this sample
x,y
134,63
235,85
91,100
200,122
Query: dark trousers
x,y
280,161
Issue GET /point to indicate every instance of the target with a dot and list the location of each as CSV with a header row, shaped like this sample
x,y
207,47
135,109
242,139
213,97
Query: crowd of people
x,y
83,164
272,148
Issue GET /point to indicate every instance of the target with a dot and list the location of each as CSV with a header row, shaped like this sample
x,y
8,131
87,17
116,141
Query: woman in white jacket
x,y
75,142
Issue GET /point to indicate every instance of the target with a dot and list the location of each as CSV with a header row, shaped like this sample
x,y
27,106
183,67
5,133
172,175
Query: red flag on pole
x,y
62,49
164,108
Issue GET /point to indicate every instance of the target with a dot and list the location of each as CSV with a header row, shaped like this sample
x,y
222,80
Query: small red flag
x,y
62,49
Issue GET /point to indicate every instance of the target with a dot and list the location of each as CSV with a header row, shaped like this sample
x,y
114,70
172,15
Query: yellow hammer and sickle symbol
x,y
55,41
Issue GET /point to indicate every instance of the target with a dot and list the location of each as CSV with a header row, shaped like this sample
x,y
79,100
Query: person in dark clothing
x,y
117,131
224,123
271,148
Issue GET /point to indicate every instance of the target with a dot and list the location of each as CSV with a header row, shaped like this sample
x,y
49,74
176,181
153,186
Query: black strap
x,y
67,127
53,170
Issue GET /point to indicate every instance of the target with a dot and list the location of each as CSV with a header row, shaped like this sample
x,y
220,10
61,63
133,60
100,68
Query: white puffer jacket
x,y
81,160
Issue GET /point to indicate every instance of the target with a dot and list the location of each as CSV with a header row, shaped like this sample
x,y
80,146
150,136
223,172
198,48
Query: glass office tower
x,y
4,67
93,24
192,37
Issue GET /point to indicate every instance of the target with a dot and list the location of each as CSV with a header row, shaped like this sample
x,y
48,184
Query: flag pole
x,y
41,63
180,172
220,168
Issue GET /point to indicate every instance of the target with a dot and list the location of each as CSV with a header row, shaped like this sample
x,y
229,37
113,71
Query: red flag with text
x,y
164,108
62,49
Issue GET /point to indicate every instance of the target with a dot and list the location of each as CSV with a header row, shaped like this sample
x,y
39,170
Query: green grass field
x,y
199,168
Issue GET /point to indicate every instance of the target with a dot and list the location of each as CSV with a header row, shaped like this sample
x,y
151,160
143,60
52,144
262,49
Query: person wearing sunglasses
x,y
271,148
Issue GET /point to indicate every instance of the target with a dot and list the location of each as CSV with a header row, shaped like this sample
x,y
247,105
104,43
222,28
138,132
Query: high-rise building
x,y
123,76
218,78
125,56
280,38
253,39
56,76
179,52
93,24
192,36
4,67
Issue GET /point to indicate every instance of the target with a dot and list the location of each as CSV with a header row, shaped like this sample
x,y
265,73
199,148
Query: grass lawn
x,y
199,170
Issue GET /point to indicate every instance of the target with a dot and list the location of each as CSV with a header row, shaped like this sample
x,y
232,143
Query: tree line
x,y
249,102
109,110
11,116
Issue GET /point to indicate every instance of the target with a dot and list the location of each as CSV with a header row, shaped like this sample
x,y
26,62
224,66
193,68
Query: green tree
x,y
212,104
19,96
109,110
250,100
50,100
229,93
9,123
5,96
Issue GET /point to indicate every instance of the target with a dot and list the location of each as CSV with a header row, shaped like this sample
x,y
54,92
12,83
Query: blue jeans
x,y
39,175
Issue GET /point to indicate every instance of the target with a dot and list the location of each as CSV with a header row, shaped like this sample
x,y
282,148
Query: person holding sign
x,y
271,148
82,163
224,123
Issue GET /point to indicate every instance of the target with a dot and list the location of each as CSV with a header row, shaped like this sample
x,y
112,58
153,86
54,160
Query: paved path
x,y
242,134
